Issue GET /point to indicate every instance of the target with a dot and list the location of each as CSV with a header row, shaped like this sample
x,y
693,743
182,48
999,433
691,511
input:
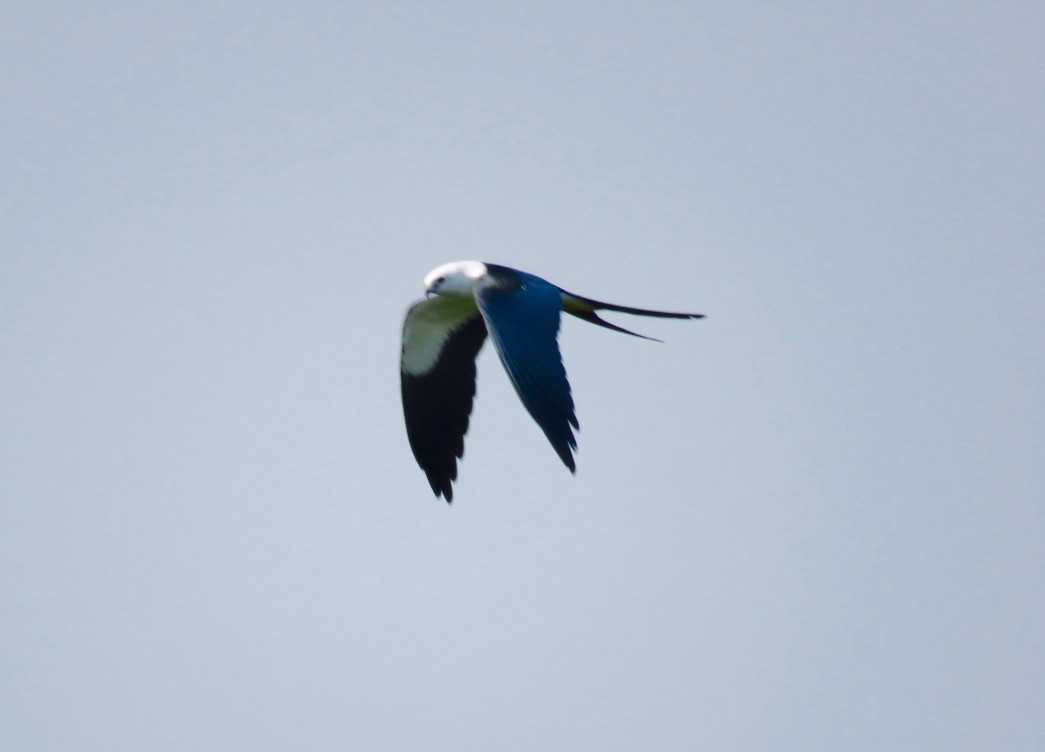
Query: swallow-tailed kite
x,y
443,333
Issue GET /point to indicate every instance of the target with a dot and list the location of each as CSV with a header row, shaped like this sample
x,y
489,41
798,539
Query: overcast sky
x,y
811,521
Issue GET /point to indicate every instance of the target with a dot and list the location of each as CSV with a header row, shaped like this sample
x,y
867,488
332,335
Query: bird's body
x,y
442,336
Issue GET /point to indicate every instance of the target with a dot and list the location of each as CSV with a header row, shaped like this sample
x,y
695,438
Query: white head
x,y
457,278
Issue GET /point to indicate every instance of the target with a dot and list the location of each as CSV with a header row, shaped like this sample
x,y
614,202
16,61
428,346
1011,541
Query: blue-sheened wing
x,y
523,320
441,339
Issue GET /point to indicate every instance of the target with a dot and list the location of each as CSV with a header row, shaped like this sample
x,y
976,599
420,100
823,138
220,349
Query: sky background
x,y
811,521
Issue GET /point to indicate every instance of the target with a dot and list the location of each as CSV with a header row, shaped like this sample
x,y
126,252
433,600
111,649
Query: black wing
x,y
441,339
524,323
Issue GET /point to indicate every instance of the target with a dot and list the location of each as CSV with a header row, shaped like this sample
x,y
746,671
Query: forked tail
x,y
585,309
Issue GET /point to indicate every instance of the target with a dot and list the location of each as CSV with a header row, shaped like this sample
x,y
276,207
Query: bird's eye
x,y
440,281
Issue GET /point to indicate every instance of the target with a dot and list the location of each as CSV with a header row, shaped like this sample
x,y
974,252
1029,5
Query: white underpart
x,y
427,328
459,277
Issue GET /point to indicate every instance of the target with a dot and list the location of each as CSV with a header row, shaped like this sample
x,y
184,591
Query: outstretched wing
x,y
523,319
441,339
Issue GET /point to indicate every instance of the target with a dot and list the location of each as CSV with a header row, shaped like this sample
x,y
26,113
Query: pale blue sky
x,y
812,521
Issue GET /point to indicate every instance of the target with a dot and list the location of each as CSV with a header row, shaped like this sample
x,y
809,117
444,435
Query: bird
x,y
443,334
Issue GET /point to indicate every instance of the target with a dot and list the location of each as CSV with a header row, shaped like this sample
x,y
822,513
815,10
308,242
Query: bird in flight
x,y
442,336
